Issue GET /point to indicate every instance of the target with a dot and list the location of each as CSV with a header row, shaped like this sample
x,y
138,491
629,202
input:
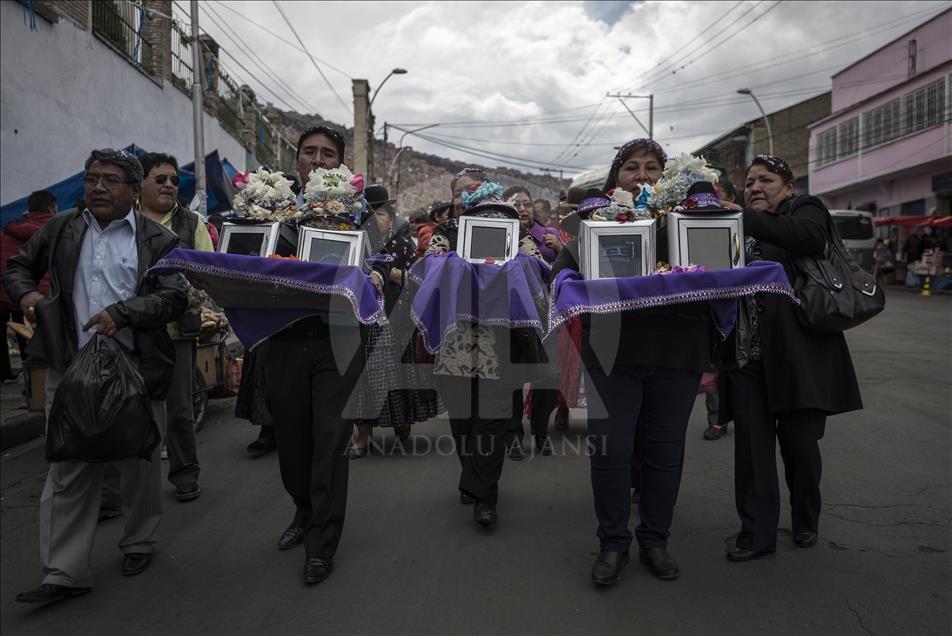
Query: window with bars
x,y
120,23
826,146
848,137
881,124
924,107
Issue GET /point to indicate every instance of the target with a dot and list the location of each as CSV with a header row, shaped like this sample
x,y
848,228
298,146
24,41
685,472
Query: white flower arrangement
x,y
679,175
623,197
334,193
266,196
332,182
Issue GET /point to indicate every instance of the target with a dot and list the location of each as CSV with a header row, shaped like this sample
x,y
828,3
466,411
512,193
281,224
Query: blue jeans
x,y
659,402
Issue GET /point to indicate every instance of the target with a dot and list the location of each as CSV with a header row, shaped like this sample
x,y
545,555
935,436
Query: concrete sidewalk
x,y
18,424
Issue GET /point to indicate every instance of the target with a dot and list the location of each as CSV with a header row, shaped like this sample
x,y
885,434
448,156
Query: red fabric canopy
x,y
915,221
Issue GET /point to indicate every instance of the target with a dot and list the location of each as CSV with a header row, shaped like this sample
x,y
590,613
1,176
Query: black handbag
x,y
835,293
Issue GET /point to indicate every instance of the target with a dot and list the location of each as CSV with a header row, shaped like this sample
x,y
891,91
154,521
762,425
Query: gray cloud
x,y
490,62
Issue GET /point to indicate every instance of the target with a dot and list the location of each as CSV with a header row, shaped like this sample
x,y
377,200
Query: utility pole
x,y
621,98
198,114
383,156
361,88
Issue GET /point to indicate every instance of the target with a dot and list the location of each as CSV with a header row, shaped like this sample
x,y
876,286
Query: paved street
x,y
413,562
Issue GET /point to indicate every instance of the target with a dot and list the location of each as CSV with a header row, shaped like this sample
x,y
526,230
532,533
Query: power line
x,y
684,54
786,59
268,89
579,133
311,57
704,30
254,57
487,154
698,54
281,38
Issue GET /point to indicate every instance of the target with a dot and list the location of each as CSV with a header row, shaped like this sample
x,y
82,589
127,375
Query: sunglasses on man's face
x,y
162,178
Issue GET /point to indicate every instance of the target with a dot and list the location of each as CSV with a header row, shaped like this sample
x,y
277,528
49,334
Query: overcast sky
x,y
477,69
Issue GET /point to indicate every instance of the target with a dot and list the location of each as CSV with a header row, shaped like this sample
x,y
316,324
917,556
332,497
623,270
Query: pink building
x,y
887,146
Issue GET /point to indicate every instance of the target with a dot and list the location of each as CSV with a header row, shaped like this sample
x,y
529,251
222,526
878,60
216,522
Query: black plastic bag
x,y
100,410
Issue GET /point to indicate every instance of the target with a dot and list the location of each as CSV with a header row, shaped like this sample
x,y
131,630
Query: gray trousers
x,y
179,438
69,507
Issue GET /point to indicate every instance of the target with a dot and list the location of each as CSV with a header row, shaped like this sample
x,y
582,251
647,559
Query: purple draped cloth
x,y
538,233
452,289
572,295
262,296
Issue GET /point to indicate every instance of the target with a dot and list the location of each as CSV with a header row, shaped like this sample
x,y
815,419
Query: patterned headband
x,y
775,165
121,158
642,143
466,171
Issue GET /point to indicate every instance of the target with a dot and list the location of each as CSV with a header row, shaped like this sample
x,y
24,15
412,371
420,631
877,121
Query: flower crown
x,y
487,192
679,175
334,199
264,195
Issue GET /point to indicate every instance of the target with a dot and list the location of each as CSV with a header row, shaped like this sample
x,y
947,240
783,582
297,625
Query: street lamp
x,y
747,91
396,71
370,128
396,158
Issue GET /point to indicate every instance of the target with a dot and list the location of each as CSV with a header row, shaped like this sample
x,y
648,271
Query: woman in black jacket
x,y
644,367
794,379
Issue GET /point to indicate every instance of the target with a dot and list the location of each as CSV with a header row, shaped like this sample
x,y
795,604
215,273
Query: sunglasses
x,y
162,178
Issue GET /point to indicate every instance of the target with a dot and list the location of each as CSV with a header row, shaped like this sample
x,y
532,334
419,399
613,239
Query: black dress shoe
x,y
805,539
543,444
293,536
484,513
135,563
49,593
659,562
261,446
465,499
745,554
317,569
187,492
608,566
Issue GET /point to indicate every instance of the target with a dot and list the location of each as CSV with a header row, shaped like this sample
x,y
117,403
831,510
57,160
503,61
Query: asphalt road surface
x,y
413,562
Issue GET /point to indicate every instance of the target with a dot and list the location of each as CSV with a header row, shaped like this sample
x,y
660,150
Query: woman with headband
x,y
644,367
478,381
466,180
794,379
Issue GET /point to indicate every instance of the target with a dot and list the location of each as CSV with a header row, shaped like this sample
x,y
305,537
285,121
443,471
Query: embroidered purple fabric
x,y
572,295
451,289
262,296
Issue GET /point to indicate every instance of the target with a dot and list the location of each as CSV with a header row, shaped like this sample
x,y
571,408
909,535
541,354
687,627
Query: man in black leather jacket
x,y
98,284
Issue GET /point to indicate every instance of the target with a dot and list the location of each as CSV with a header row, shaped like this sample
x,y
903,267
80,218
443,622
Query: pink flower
x,y
358,183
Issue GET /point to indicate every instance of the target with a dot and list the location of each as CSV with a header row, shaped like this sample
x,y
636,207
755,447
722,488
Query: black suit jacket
x,y
803,370
159,299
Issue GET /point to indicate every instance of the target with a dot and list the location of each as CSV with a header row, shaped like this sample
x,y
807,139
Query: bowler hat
x,y
377,195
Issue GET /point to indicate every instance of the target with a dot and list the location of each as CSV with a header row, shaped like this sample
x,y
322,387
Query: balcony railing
x,y
120,24
223,98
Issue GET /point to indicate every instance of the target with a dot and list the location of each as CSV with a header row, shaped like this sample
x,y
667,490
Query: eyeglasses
x,y
109,181
524,205
162,178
